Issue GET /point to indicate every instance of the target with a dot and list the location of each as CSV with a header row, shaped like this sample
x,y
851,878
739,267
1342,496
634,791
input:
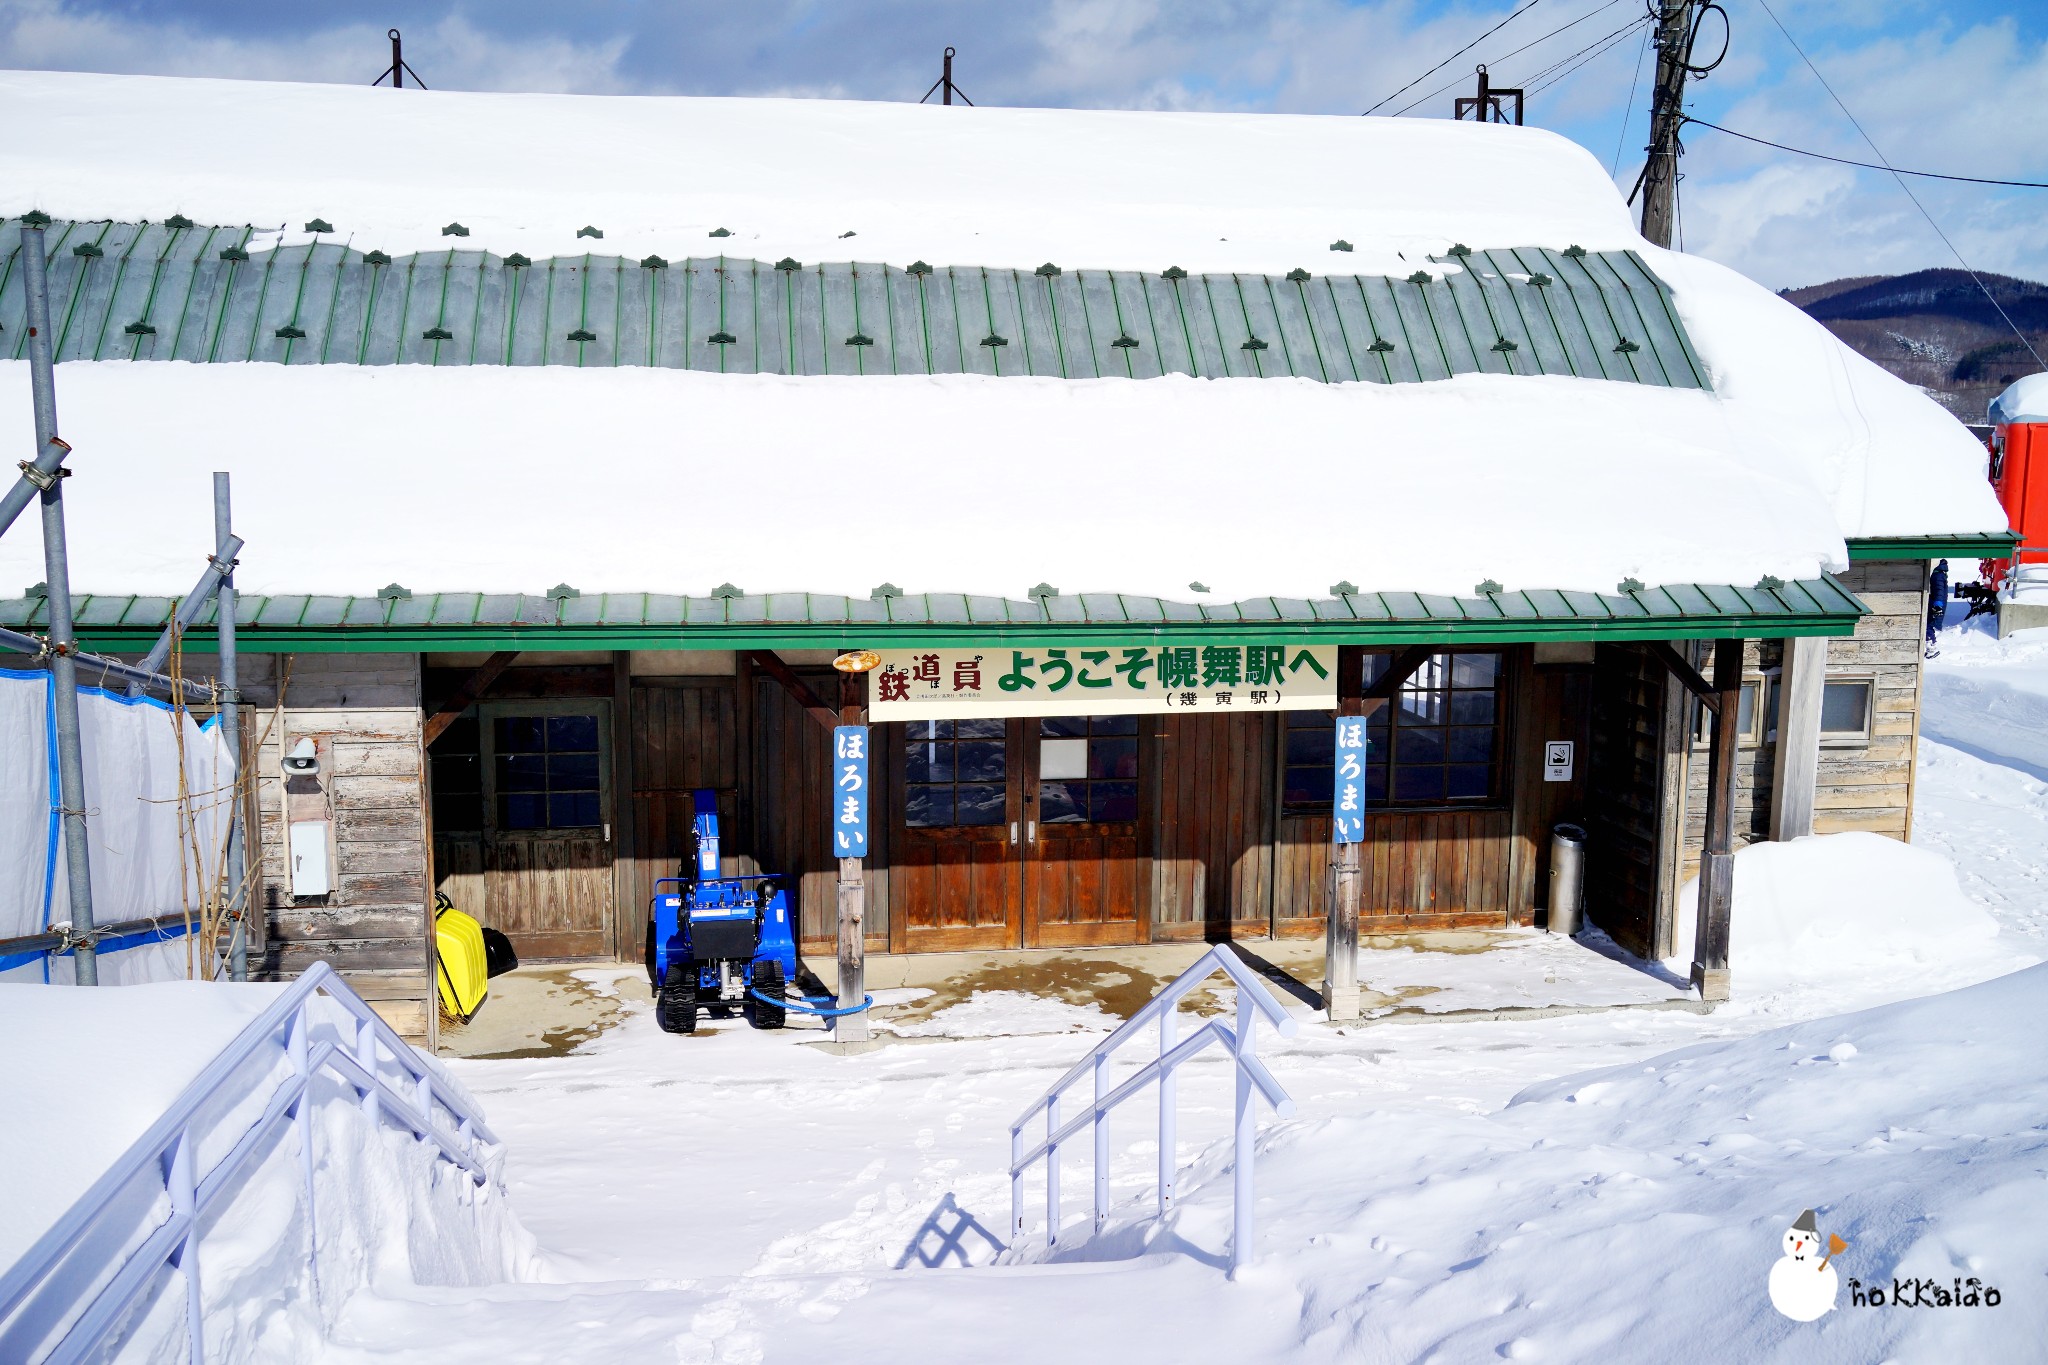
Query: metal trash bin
x,y
1567,877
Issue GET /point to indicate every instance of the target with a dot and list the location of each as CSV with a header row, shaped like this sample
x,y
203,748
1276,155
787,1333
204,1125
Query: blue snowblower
x,y
718,943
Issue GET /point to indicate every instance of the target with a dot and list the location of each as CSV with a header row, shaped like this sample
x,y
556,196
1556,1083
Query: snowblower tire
x,y
768,981
676,1009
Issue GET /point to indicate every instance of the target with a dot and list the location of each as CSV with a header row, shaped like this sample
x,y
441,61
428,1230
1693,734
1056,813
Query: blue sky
x,y
1955,86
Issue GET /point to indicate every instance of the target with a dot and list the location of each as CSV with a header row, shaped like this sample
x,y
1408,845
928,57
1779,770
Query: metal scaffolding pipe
x,y
63,637
218,566
35,477
128,674
230,678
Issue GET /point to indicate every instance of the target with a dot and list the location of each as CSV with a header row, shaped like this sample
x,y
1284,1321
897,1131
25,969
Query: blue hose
x,y
812,1009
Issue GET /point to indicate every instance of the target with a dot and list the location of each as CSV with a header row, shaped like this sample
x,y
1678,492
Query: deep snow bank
x,y
85,1074
1989,697
1845,912
1635,1212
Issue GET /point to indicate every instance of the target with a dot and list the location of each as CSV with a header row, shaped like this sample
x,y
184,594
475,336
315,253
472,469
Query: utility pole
x,y
1667,115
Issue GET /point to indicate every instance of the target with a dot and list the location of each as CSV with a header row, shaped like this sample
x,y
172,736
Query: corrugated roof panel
x,y
360,611
99,609
1590,606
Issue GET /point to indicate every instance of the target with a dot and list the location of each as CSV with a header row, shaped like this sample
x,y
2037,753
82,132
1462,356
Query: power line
x,y
1901,180
1534,42
1629,108
1519,10
1551,74
1869,165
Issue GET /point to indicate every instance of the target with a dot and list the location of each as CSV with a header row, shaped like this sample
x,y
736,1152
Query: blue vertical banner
x,y
1347,793
850,791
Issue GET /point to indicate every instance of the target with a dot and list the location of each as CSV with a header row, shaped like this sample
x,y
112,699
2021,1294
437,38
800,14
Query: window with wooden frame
x,y
955,772
1749,717
1847,711
1436,743
521,768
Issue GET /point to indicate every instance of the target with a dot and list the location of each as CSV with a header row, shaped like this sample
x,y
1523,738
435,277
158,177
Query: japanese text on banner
x,y
850,791
1102,680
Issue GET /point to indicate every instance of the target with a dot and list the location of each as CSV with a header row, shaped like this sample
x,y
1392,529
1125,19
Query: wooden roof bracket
x,y
1687,675
769,662
474,686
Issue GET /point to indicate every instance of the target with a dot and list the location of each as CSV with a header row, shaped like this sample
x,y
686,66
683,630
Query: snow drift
x,y
388,1213
1828,909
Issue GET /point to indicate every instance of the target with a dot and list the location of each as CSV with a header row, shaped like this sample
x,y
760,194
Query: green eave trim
x,y
605,621
1971,545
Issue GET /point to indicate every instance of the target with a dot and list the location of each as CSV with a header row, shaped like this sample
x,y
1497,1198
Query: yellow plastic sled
x,y
459,947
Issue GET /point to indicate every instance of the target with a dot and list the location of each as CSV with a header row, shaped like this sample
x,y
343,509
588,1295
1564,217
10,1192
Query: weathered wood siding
x,y
685,735
1212,865
1754,762
1871,787
363,713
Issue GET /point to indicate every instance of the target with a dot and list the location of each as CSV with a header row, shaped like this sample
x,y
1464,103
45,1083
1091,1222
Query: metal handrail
x,y
78,1278
1253,1000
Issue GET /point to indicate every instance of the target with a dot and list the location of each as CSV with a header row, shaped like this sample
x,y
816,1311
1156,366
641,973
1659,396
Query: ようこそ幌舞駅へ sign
x,y
1098,680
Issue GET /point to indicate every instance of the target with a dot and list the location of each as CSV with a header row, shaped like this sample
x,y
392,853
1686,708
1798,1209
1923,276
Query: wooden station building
x,y
532,756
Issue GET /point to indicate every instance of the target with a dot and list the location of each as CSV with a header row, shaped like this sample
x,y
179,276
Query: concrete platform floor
x,y
546,1010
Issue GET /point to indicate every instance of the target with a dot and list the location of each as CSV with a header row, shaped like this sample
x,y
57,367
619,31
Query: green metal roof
x,y
1968,545
175,291
473,621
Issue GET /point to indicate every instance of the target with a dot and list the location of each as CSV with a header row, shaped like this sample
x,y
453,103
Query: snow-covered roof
x,y
2025,400
491,478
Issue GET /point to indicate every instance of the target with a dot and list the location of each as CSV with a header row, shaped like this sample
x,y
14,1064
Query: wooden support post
x,y
1796,765
1340,928
852,1028
1347,879
1717,862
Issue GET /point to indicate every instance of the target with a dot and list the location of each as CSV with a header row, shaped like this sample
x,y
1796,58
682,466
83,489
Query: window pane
x,y
1845,708
1312,746
978,761
927,806
930,729
1113,725
522,811
521,734
572,772
570,810
979,804
1375,785
1062,802
1745,710
1309,786
928,761
455,773
1115,801
1472,708
977,729
1425,708
522,773
1419,746
1471,744
1419,784
1466,780
1113,757
574,733
457,813
1376,667
1474,670
1051,727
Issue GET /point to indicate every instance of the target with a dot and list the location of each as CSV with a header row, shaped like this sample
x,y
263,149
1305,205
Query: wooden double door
x,y
1018,832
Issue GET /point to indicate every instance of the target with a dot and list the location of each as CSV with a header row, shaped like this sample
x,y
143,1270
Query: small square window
x,y
1749,717
1846,705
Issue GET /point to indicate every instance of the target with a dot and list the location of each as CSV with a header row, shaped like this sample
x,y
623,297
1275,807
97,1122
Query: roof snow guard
x,y
178,291
474,621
